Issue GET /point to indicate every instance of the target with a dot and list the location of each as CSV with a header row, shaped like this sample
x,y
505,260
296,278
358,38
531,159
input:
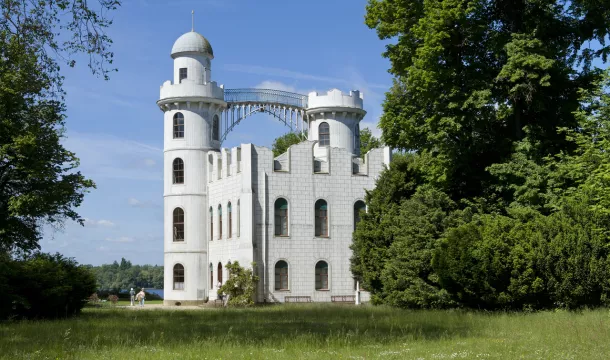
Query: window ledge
x,y
282,291
322,237
322,289
282,236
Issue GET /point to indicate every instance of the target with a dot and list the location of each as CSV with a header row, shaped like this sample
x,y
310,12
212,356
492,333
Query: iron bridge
x,y
287,107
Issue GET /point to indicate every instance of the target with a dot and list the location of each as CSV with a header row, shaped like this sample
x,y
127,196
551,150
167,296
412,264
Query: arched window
x,y
211,276
321,218
219,273
178,126
178,224
281,275
238,215
321,275
215,128
230,216
178,277
219,222
211,224
359,207
178,171
281,217
324,134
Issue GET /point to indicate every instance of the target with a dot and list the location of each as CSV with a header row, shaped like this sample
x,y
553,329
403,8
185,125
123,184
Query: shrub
x,y
94,299
113,299
528,260
44,286
240,286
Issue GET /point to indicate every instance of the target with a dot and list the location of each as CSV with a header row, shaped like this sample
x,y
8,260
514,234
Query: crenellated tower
x,y
192,105
334,121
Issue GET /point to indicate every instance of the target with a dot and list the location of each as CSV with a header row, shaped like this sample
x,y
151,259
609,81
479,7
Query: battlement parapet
x,y
224,163
190,88
335,98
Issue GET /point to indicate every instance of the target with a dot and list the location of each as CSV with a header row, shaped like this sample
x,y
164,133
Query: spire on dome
x,y
192,20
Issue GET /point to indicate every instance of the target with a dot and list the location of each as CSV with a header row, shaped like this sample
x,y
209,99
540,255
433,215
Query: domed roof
x,y
192,42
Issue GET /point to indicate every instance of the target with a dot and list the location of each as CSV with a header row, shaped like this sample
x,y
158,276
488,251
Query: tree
x,y
282,143
368,141
241,285
474,77
38,180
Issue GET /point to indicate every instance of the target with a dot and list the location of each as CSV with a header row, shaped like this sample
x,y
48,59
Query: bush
x,y
113,299
241,285
528,260
44,286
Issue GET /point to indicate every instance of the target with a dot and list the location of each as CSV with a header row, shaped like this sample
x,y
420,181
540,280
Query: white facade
x,y
296,211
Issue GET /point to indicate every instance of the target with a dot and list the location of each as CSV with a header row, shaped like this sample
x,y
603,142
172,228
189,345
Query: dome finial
x,y
192,20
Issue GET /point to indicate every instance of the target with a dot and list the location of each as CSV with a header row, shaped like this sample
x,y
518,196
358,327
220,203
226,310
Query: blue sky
x,y
115,128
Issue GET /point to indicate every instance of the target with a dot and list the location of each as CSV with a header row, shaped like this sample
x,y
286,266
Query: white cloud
x,y
107,156
102,248
101,223
276,72
122,239
276,85
133,202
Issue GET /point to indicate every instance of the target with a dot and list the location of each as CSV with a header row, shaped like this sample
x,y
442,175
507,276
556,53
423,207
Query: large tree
x,y
39,183
472,77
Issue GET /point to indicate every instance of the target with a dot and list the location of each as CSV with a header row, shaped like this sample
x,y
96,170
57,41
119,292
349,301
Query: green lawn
x,y
309,332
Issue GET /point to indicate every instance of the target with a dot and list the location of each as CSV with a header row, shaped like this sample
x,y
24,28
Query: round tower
x,y
334,120
192,106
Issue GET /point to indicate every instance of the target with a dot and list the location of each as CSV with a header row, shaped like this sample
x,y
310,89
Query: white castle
x,y
292,215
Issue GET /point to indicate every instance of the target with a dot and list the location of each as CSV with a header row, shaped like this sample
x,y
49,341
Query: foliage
x,y
38,180
282,143
528,260
241,285
470,75
312,331
368,141
113,299
504,203
45,286
94,299
124,276
60,29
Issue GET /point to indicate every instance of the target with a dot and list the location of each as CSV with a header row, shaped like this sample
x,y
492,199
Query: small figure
x,y
132,295
140,297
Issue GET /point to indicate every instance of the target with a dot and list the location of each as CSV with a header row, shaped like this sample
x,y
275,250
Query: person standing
x,y
140,297
132,295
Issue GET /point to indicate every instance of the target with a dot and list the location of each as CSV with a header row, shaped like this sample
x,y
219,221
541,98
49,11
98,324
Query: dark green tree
x,y
473,77
282,143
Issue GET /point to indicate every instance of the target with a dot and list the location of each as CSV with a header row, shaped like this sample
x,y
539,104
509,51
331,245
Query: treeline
x,y
124,275
500,198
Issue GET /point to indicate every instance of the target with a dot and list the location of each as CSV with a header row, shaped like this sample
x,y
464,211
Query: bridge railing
x,y
268,96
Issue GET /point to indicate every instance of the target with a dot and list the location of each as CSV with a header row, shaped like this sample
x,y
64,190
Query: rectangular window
x,y
281,278
321,223
182,74
281,222
322,279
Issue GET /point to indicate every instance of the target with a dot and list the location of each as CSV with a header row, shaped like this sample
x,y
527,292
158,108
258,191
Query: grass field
x,y
309,332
